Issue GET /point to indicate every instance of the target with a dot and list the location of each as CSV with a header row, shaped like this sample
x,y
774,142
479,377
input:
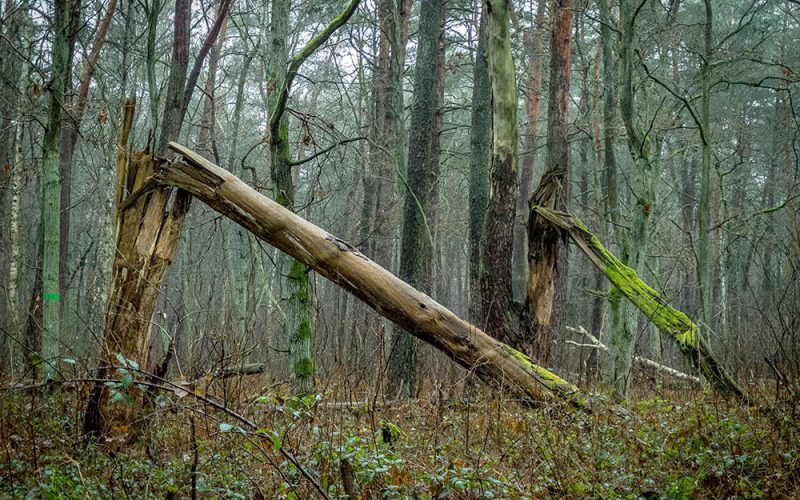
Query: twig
x,y
326,150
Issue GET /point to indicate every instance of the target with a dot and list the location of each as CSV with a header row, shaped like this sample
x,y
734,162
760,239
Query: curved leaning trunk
x,y
496,363
667,319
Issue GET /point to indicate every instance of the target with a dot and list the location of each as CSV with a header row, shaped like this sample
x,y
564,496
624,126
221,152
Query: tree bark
x,y
417,238
65,169
479,170
51,195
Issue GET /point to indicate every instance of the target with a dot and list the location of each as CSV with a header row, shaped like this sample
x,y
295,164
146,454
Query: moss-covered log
x,y
498,364
667,319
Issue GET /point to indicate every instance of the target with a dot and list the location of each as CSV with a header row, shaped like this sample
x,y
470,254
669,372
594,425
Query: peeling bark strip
x,y
666,318
495,362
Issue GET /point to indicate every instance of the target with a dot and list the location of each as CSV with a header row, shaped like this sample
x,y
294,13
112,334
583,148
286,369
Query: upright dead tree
x,y
546,268
147,234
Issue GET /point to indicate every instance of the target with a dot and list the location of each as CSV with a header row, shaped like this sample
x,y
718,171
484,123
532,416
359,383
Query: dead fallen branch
x,y
594,343
239,371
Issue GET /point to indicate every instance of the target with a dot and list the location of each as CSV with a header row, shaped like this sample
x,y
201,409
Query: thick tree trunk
x,y
416,240
545,268
499,311
65,169
415,312
51,194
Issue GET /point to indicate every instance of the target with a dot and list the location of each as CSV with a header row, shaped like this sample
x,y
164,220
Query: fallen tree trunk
x,y
496,363
667,319
594,343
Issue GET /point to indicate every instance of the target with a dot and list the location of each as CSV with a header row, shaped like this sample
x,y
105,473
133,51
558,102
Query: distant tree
x,y
480,169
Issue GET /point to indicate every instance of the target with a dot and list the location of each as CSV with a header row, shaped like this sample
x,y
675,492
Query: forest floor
x,y
684,445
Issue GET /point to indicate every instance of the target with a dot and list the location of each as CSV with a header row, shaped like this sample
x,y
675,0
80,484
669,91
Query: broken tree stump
x,y
148,227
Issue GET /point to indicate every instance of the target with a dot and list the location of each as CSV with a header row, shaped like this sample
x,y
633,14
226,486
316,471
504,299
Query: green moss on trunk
x,y
654,305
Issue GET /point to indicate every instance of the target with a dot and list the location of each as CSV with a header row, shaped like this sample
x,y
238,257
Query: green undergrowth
x,y
490,448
